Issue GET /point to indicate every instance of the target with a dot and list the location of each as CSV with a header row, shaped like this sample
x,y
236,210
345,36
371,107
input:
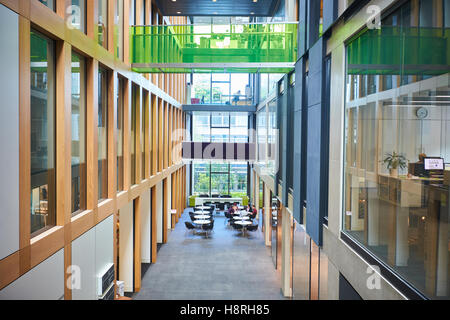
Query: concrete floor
x,y
224,266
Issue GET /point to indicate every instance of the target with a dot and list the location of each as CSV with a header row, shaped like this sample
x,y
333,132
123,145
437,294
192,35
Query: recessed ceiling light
x,y
214,0
255,0
252,12
178,12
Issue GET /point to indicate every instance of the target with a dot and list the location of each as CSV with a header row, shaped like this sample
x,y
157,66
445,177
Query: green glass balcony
x,y
400,51
244,48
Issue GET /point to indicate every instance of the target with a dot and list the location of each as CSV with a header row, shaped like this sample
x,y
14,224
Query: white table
x,y
241,213
244,225
200,201
200,211
202,207
201,216
241,218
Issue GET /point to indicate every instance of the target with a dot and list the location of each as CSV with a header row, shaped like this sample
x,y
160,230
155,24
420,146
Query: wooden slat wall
x,y
159,101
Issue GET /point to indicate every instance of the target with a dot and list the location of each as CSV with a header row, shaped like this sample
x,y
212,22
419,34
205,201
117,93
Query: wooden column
x,y
160,135
126,134
112,135
137,244
155,125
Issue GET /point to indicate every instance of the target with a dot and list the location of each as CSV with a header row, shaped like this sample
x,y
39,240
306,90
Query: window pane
x,y
102,35
118,29
102,134
144,106
201,88
238,127
219,183
42,127
201,127
78,133
120,97
48,3
396,120
79,14
134,106
238,179
201,177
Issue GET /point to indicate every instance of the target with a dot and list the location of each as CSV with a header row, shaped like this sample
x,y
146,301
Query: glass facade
x,y
79,15
102,134
78,133
221,88
397,144
118,29
120,123
102,23
219,178
42,129
48,3
219,126
134,110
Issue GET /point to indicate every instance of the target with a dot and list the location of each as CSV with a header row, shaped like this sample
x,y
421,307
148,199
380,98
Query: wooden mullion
x,y
137,136
24,145
160,135
126,134
155,124
137,244
147,141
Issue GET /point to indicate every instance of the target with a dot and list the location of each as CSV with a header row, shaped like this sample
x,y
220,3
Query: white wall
x,y
43,282
146,227
93,252
83,256
126,235
9,132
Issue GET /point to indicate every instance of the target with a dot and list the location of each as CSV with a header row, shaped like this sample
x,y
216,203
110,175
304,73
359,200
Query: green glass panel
x,y
400,51
246,43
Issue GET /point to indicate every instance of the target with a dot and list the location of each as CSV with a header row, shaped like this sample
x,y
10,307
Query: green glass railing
x,y
190,48
400,51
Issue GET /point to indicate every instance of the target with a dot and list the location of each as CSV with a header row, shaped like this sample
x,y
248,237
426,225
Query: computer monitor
x,y
434,163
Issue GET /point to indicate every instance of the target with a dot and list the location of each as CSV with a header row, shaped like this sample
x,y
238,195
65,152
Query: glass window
x,y
201,127
120,108
78,13
238,127
134,109
201,177
201,88
394,203
263,86
78,134
238,179
102,134
132,17
144,106
42,129
118,29
102,23
48,3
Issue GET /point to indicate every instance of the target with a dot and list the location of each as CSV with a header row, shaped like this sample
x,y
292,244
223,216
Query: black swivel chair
x,y
252,227
189,227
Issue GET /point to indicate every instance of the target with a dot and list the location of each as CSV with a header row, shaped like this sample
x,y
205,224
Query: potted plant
x,y
393,161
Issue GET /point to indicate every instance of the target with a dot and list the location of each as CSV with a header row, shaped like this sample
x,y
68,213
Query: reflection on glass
x,y
102,23
118,29
48,3
42,129
78,134
201,177
78,14
102,134
134,109
396,116
120,104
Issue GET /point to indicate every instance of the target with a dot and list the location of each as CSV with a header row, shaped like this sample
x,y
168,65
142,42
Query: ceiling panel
x,y
219,7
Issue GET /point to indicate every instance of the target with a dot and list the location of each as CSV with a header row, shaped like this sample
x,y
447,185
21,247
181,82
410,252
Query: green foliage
x,y
394,160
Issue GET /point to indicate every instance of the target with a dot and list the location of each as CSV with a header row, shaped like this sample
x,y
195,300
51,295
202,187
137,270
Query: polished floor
x,y
224,266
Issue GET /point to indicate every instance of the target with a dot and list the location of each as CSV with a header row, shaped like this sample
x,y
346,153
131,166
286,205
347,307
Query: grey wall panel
x,y
330,11
43,282
313,221
9,132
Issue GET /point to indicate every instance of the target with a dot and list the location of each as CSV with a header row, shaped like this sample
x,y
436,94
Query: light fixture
x,y
178,12
252,12
214,0
255,1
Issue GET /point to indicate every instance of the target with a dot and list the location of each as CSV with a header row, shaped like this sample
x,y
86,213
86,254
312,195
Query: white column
x,y
267,217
